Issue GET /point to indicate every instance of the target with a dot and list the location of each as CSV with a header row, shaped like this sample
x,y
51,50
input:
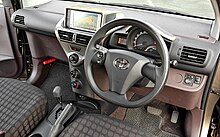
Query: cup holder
x,y
36,135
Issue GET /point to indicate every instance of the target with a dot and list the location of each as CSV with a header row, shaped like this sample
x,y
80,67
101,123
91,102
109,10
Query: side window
x,y
0,2
29,3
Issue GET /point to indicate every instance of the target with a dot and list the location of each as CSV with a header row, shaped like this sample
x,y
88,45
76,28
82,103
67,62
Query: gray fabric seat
x,y
22,107
95,125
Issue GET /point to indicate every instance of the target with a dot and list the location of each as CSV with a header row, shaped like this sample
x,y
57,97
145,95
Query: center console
x,y
74,32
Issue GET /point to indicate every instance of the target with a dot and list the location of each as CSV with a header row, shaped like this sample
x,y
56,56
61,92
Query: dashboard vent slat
x,y
193,55
19,19
66,36
82,39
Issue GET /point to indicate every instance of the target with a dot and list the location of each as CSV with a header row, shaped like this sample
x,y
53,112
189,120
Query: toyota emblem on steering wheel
x,y
121,63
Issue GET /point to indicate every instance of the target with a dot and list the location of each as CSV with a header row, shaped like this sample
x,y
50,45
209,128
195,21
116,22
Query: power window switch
x,y
198,80
189,79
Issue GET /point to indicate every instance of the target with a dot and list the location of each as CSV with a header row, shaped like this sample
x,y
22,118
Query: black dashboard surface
x,y
43,19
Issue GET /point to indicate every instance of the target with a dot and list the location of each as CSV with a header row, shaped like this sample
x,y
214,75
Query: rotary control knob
x,y
76,84
74,58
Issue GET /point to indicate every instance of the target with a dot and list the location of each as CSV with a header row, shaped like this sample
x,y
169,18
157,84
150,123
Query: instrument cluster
x,y
134,39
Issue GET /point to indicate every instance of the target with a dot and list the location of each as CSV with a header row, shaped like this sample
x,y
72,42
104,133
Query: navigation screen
x,y
84,20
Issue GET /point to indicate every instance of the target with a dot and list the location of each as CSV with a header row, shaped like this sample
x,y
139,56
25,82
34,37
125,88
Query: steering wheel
x,y
124,68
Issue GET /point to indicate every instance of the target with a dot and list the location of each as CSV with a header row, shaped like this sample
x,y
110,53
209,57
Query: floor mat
x,y
154,118
58,76
149,122
166,113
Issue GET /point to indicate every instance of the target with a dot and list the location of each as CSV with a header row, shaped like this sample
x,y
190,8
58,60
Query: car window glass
x,y
199,8
0,1
29,3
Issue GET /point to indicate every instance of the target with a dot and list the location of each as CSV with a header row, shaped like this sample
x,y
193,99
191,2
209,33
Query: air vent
x,y
82,39
193,55
19,19
64,35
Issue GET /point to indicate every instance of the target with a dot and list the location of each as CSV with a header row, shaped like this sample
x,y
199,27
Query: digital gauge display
x,y
83,20
122,41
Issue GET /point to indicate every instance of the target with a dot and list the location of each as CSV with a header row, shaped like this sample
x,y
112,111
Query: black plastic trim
x,y
42,22
211,58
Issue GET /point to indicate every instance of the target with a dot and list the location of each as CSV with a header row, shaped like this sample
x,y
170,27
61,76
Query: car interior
x,y
87,68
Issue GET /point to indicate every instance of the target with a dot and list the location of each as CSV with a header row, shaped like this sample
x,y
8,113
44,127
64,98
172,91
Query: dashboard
x,y
44,19
193,53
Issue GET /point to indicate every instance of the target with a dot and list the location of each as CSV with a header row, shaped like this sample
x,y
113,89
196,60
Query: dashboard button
x,y
76,84
75,73
198,80
74,48
99,55
189,79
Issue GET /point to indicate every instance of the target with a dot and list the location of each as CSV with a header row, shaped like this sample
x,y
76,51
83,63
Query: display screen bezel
x,y
67,19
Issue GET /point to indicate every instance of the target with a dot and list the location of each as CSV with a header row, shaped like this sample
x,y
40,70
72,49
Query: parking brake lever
x,y
59,124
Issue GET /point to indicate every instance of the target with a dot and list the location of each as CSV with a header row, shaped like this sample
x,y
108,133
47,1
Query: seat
x,y
22,107
96,125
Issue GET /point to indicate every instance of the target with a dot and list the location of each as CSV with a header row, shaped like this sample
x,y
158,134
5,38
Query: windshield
x,y
29,3
199,8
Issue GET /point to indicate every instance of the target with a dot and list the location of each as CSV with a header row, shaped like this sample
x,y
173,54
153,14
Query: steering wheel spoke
x,y
100,55
152,72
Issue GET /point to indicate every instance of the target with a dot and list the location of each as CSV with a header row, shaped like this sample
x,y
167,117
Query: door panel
x,y
10,57
216,81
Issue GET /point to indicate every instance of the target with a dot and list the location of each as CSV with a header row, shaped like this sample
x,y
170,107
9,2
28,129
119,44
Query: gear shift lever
x,y
58,95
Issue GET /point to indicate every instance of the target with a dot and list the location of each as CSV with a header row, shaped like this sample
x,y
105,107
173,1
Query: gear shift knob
x,y
57,94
